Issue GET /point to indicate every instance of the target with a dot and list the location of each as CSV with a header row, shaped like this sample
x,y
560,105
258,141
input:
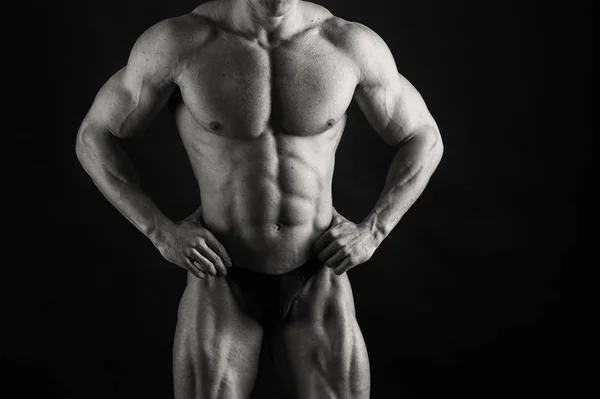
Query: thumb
x,y
336,216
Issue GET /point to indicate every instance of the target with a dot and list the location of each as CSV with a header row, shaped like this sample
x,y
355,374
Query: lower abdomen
x,y
272,238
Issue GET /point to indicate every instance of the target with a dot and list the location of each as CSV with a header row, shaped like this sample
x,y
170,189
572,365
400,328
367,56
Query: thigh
x,y
217,346
319,349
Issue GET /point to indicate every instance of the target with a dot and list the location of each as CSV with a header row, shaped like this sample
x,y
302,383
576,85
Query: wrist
x,y
334,212
158,233
195,217
375,228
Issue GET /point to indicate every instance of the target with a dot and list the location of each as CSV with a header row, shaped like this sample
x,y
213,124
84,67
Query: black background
x,y
483,290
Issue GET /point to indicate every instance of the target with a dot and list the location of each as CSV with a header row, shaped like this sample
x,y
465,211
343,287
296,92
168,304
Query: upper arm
x,y
129,100
391,104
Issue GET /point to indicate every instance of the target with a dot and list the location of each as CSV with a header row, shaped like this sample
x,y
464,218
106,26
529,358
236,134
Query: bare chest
x,y
236,88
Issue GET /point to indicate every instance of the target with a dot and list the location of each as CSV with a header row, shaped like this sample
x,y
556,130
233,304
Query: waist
x,y
272,248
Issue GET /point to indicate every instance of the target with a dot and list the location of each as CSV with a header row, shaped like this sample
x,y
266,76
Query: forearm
x,y
112,172
409,173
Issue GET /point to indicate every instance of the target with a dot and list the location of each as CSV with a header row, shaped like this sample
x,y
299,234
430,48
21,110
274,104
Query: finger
x,y
204,264
343,266
212,257
218,248
195,270
323,240
332,247
336,258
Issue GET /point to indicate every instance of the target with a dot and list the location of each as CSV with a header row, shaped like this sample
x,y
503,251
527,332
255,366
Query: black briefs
x,y
269,297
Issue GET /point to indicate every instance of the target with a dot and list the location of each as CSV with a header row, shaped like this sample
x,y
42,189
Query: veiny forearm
x,y
112,172
409,173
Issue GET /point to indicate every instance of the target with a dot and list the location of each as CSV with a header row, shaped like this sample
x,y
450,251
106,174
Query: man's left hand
x,y
345,245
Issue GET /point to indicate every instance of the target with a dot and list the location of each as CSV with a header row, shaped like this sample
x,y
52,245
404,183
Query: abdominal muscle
x,y
266,199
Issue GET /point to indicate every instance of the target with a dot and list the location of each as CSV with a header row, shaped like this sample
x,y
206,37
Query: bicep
x,y
391,104
129,100
394,109
126,108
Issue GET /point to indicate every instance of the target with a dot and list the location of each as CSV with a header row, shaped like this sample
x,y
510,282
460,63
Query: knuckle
x,y
221,250
203,233
208,266
203,271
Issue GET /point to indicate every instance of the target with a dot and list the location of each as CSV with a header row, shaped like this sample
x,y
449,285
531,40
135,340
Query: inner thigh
x,y
217,346
319,349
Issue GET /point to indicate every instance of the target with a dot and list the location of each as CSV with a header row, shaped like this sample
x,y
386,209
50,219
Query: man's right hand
x,y
191,246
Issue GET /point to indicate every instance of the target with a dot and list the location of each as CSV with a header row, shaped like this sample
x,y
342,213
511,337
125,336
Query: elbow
x,y
438,148
432,143
87,142
432,140
82,144
439,144
79,145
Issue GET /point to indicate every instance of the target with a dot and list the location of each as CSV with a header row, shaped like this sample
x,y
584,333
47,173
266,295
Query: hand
x,y
191,246
345,245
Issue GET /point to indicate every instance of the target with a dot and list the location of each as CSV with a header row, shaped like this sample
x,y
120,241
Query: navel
x,y
277,226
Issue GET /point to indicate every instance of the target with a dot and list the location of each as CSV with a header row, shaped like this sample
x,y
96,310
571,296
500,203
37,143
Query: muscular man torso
x,y
259,90
260,121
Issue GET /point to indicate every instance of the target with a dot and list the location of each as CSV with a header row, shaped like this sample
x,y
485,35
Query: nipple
x,y
330,122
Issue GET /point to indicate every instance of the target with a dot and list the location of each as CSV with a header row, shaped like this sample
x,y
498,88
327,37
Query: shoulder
x,y
362,45
356,38
160,53
176,34
314,12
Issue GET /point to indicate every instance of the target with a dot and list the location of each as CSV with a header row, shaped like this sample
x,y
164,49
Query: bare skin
x,y
259,90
